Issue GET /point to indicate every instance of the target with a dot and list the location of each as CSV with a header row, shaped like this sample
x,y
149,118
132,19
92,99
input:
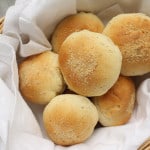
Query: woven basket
x,y
144,146
1,24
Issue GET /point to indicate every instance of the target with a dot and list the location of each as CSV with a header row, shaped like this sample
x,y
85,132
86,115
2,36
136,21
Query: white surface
x,y
27,26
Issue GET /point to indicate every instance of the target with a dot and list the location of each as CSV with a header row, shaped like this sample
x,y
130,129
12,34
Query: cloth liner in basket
x,y
27,26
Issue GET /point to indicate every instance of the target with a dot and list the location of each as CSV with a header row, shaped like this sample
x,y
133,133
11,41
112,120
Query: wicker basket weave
x,y
1,24
144,146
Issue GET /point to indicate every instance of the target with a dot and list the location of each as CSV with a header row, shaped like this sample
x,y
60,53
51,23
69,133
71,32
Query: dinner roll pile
x,y
85,80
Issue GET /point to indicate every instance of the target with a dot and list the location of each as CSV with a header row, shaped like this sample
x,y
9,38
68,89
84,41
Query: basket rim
x,y
145,145
1,24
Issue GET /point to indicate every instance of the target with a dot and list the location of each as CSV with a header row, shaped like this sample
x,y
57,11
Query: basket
x,y
1,24
144,146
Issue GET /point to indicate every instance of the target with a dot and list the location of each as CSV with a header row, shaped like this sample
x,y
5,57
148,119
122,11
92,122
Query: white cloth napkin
x,y
28,25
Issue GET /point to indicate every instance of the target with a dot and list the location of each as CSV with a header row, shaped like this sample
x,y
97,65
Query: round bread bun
x,y
40,78
131,32
116,106
70,119
75,23
90,63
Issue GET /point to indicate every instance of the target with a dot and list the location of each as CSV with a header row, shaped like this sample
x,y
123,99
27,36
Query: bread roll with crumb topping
x,y
75,23
116,106
70,119
40,78
131,32
90,63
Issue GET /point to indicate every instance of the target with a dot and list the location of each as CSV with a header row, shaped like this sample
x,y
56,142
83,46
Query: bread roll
x,y
70,119
116,106
75,23
40,78
131,32
90,63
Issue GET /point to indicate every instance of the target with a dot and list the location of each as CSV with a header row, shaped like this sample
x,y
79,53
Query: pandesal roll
x,y
40,78
131,32
70,119
75,23
90,63
116,106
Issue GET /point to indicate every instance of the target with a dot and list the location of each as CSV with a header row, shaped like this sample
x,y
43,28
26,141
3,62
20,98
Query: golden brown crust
x,y
40,78
70,119
131,33
116,106
90,63
75,23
